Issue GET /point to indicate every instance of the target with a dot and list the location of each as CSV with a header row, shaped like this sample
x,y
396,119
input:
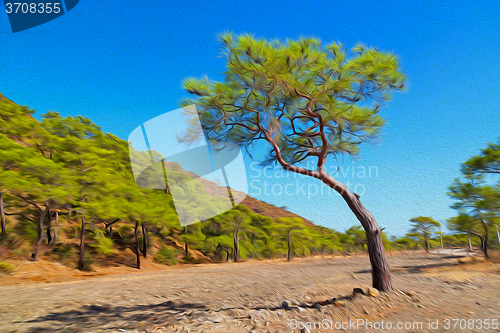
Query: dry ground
x,y
251,297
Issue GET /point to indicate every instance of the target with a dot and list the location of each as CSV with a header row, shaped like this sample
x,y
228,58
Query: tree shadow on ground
x,y
313,305
413,268
110,317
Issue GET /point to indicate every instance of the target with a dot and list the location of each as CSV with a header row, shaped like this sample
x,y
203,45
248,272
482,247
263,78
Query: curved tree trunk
x,y
236,250
43,212
82,245
2,215
289,257
49,230
486,237
137,251
218,253
236,240
381,278
54,239
144,240
484,242
186,245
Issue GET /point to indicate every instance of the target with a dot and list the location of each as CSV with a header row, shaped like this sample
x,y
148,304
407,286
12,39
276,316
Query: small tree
x,y
271,245
440,234
306,101
358,237
288,230
323,239
423,228
478,196
240,224
475,225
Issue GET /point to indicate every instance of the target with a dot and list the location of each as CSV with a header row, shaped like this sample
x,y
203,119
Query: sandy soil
x,y
254,297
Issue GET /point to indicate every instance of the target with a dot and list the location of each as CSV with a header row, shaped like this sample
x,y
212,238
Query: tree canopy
x,y
477,195
305,99
424,228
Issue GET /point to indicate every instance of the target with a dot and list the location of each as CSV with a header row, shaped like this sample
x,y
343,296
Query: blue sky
x,y
121,63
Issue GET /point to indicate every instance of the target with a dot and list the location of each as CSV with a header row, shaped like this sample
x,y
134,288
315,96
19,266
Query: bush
x,y
64,253
27,229
192,260
166,256
6,267
102,245
87,262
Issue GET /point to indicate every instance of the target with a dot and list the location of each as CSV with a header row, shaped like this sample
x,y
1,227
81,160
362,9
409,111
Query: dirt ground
x,y
306,295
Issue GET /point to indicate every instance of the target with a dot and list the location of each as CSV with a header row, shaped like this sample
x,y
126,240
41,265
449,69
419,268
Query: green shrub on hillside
x,y
102,245
6,267
64,253
166,256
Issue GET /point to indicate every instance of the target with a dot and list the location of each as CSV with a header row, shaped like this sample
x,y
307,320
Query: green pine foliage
x,y
477,198
166,255
6,267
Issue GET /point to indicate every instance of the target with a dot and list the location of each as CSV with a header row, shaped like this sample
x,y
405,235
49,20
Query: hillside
x,y
263,208
3,98
59,176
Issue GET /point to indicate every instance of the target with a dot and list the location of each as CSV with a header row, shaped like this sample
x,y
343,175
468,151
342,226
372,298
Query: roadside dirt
x,y
253,297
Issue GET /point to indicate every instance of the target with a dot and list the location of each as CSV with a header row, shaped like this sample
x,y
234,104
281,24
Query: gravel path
x,y
259,297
